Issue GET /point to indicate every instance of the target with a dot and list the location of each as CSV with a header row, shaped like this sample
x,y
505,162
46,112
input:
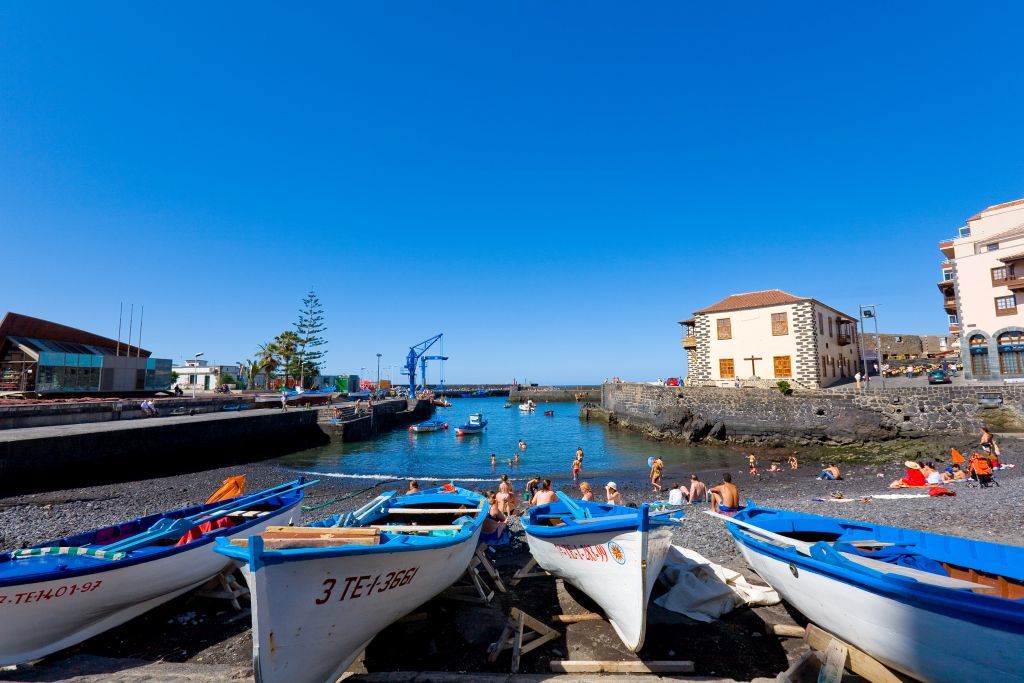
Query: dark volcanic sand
x,y
212,640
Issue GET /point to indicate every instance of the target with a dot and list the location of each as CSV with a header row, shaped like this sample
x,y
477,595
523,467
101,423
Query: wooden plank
x,y
407,528
584,666
833,663
784,630
294,543
517,644
320,531
589,616
429,511
860,662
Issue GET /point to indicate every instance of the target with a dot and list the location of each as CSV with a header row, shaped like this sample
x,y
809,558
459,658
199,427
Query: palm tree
x,y
285,348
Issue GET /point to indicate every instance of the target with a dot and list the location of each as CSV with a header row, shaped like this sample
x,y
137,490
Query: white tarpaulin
x,y
703,590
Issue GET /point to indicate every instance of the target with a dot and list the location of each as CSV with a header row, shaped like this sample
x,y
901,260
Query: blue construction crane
x,y
417,354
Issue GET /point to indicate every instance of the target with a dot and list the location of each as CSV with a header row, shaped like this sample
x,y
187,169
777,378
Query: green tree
x,y
285,350
309,330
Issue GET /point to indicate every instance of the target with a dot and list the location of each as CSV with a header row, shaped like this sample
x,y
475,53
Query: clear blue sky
x,y
552,185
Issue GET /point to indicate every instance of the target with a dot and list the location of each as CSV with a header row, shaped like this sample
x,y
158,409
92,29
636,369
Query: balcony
x,y
954,328
945,286
950,305
689,342
946,247
844,338
1015,284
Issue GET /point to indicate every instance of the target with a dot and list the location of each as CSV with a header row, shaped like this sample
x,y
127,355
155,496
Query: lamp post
x,y
378,371
195,375
870,311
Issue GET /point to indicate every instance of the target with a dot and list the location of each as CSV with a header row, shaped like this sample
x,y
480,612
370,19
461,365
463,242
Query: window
x,y
824,366
830,326
726,369
780,324
1006,305
725,328
965,231
821,324
783,368
992,246
1000,275
947,275
953,320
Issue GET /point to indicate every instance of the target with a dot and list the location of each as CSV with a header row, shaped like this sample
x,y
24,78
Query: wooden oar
x,y
804,548
167,527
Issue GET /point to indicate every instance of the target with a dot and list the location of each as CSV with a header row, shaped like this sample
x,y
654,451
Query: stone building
x,y
770,335
908,346
982,276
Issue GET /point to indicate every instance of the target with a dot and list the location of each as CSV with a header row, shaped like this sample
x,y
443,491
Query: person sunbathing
x,y
958,473
913,477
725,497
931,475
831,473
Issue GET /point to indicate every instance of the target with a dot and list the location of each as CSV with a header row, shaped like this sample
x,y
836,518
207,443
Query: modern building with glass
x,y
42,357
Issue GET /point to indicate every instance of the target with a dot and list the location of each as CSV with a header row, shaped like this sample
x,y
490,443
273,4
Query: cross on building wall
x,y
753,370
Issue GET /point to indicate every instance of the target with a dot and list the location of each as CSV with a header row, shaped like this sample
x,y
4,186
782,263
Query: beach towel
x,y
703,590
898,496
939,491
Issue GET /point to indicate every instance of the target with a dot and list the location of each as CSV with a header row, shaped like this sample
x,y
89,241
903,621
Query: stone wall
x,y
554,394
840,416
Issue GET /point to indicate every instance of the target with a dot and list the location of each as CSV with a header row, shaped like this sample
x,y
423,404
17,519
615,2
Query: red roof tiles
x,y
767,297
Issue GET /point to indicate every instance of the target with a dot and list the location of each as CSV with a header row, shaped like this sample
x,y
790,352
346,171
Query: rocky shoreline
x,y
210,641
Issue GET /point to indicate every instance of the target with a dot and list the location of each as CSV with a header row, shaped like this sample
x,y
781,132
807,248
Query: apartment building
x,y
982,280
770,335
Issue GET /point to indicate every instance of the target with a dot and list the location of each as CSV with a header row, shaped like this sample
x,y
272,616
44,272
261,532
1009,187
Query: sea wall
x,y
827,416
19,416
579,393
353,425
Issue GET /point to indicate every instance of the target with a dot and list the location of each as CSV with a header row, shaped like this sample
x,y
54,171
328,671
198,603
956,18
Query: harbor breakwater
x,y
354,425
844,416
564,394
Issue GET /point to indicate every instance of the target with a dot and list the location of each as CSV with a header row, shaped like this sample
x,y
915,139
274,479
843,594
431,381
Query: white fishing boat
x,y
936,608
612,553
321,593
59,593
528,406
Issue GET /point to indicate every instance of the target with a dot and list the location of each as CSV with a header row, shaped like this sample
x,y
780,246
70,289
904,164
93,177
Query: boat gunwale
x,y
641,522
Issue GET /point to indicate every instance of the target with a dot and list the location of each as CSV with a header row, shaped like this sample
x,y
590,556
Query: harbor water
x,y
551,446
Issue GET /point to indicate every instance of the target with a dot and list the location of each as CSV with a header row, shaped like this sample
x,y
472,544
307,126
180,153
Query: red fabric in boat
x,y
204,528
940,491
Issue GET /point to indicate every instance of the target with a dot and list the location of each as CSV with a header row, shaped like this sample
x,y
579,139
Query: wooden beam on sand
x,y
784,630
588,616
857,661
584,666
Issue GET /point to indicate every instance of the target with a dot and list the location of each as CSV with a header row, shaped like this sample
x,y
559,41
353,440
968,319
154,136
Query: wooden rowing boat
x,y
612,553
321,593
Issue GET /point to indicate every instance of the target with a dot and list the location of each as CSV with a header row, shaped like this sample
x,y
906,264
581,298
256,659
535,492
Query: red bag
x,y
940,491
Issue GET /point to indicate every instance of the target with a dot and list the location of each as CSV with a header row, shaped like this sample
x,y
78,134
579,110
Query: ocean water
x,y
551,446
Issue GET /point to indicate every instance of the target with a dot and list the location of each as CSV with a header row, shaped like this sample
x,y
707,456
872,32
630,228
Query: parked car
x,y
939,377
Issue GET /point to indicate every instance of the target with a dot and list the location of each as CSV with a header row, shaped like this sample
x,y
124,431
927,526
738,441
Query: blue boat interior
x,y
567,517
46,566
991,564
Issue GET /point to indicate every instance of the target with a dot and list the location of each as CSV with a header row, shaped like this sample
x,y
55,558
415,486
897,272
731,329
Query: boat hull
x,y
617,569
900,635
462,431
42,617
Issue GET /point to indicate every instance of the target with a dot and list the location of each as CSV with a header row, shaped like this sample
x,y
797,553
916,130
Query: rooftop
x,y
25,326
995,207
765,297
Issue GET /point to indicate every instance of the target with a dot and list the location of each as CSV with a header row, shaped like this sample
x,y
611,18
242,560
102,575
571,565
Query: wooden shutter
x,y
726,369
725,328
783,367
780,324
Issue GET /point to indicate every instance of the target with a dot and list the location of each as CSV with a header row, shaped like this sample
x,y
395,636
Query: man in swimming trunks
x,y
544,494
656,468
576,469
725,497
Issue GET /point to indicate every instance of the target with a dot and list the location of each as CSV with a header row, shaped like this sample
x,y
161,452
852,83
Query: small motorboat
x,y
428,426
475,425
549,413
528,406
321,593
507,405
894,593
59,593
612,553
441,403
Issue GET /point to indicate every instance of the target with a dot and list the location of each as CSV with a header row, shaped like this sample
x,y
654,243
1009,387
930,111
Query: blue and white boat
x,y
62,592
321,593
933,607
612,553
428,426
297,398
475,424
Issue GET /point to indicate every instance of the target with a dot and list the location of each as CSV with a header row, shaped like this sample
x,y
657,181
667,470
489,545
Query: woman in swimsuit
x,y
504,494
494,524
576,469
587,493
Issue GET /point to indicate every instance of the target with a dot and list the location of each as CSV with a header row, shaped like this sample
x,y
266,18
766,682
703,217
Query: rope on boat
x,y
310,508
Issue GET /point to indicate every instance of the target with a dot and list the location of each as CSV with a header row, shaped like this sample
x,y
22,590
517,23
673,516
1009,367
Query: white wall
x,y
752,336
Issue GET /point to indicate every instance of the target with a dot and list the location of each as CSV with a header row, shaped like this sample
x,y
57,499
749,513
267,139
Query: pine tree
x,y
309,329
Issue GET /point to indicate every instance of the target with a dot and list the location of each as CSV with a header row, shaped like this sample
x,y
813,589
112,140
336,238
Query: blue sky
x,y
552,185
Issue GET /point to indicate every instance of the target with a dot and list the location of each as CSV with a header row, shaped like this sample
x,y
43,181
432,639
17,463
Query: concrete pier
x,y
353,425
45,457
579,394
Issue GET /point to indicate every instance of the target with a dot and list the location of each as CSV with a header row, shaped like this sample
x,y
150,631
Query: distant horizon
x,y
552,186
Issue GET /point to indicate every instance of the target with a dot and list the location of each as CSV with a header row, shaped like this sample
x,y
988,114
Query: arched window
x,y
979,355
1011,353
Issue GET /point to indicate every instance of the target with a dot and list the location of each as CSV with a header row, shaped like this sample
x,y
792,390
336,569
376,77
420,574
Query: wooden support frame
x,y
470,588
224,586
854,659
516,637
492,571
527,573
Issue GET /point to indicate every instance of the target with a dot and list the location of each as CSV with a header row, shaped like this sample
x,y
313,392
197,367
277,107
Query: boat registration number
x,y
353,587
49,593
591,553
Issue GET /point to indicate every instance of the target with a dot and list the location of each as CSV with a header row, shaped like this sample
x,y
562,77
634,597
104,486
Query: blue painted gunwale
x,y
51,567
639,519
977,608
257,556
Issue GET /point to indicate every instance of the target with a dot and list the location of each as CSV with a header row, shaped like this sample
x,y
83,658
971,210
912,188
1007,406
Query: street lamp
x,y
195,376
378,372
870,311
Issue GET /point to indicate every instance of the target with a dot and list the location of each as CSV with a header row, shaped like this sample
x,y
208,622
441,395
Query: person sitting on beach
x,y
656,469
931,475
698,490
913,477
725,497
544,494
585,490
414,487
676,494
612,495
793,464
958,473
831,473
495,523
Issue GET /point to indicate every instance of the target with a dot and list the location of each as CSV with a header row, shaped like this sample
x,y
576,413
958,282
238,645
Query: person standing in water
x,y
494,460
656,469
576,469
